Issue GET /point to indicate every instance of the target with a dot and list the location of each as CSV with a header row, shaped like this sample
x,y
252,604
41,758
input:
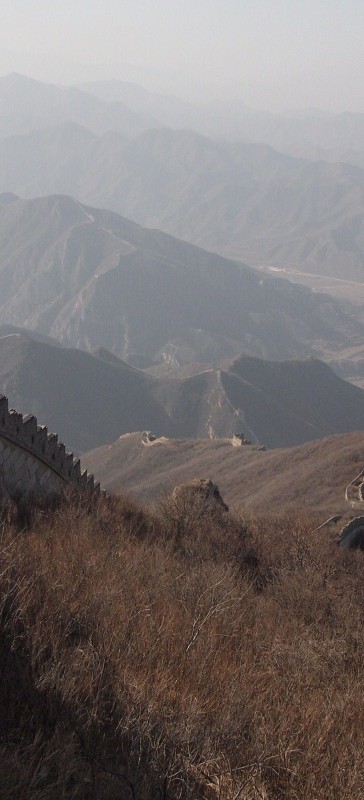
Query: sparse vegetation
x,y
178,653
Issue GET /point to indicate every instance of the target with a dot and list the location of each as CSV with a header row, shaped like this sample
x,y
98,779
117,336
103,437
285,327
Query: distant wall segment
x,y
33,461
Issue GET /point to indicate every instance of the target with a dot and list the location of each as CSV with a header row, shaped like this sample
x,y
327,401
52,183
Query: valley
x,y
340,288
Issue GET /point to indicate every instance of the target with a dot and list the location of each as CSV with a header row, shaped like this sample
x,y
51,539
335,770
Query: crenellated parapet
x,y
32,460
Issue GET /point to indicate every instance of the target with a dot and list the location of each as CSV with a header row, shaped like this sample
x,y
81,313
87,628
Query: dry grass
x,y
313,475
179,653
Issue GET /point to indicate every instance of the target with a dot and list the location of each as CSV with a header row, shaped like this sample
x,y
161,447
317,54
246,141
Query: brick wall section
x,y
33,461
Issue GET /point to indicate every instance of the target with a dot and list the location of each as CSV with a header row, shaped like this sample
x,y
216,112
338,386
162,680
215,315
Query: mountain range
x,y
108,327
246,201
311,133
92,399
89,278
27,105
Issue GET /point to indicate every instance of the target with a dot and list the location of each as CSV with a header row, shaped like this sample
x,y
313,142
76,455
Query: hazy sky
x,y
271,53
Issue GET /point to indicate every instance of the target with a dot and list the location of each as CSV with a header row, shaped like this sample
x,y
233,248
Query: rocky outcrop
x,y
239,439
200,488
32,460
352,534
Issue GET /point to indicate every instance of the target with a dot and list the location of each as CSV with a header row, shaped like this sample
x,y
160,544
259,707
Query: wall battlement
x,y
32,459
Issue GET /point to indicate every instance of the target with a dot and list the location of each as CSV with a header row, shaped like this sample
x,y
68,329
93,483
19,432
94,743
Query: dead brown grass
x,y
313,475
179,653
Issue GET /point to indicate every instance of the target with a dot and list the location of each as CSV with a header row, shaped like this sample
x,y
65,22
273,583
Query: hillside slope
x,y
82,398
312,475
91,278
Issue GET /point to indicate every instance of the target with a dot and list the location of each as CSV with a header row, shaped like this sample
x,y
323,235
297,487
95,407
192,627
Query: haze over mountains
x,y
313,134
90,278
27,105
242,199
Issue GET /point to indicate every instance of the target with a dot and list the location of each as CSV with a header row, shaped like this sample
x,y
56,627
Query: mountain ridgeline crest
x,y
93,399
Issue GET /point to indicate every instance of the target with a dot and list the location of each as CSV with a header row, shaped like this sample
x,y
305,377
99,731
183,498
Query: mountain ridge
x,y
91,278
246,201
90,400
27,105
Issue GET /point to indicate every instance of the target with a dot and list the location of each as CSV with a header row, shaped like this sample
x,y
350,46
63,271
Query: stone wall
x,y
33,461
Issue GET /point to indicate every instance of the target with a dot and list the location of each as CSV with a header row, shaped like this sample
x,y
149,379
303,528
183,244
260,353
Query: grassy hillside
x,y
182,654
312,476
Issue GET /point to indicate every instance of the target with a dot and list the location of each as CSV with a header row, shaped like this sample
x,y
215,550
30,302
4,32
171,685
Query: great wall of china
x,y
33,461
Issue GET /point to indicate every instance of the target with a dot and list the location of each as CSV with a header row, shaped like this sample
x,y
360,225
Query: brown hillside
x,y
183,654
313,475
